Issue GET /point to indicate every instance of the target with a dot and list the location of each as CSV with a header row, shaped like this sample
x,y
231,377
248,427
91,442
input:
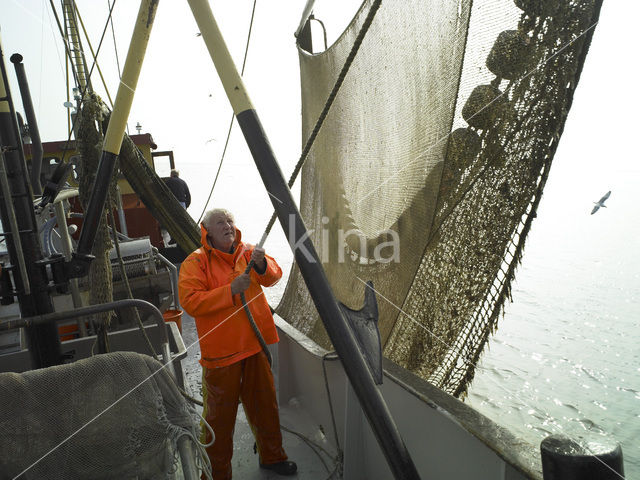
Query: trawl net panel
x,y
428,170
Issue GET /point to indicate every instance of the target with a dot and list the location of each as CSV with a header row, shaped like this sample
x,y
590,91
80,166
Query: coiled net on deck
x,y
429,168
116,415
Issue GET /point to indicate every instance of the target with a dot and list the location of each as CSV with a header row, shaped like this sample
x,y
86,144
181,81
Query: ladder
x,y
78,60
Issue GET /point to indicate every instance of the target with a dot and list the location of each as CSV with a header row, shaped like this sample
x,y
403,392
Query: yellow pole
x,y
114,135
130,75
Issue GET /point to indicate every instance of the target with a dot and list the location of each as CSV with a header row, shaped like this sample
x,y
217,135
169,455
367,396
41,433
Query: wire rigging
x,y
115,46
55,44
95,58
104,31
65,70
64,38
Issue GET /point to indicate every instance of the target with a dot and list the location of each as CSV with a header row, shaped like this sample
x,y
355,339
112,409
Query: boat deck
x,y
312,462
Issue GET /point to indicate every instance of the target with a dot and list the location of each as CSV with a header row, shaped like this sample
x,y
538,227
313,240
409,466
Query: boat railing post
x,y
589,456
173,276
187,455
121,217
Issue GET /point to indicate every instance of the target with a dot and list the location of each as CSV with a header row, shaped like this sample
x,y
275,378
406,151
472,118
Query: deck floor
x,y
245,462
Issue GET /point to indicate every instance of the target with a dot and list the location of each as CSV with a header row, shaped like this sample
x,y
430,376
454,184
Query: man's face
x,y
222,231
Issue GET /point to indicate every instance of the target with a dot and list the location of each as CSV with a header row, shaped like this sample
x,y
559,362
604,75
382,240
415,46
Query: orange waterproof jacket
x,y
224,331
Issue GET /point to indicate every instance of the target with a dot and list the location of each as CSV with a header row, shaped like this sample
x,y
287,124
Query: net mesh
x,y
117,415
428,170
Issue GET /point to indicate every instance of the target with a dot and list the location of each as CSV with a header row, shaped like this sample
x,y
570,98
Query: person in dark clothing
x,y
179,188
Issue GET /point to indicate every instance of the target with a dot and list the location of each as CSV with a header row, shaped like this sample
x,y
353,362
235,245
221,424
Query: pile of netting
x,y
427,173
117,415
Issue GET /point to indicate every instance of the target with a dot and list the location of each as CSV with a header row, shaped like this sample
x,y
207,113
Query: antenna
x,y
138,127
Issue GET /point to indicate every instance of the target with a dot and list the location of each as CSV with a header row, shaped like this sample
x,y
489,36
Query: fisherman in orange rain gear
x,y
234,367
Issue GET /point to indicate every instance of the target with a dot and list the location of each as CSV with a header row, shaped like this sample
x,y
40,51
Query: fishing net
x,y
428,170
90,147
117,415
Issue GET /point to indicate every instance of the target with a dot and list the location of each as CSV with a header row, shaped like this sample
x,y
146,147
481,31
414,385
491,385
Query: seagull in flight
x,y
600,203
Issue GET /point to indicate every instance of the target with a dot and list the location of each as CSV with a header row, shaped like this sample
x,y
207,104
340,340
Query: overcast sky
x,y
179,99
181,103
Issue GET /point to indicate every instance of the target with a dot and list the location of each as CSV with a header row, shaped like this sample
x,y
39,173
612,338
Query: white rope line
x,y
275,198
127,86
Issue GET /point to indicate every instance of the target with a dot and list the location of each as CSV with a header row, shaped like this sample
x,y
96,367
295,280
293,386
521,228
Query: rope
x,y
226,143
189,397
312,445
255,329
338,459
215,180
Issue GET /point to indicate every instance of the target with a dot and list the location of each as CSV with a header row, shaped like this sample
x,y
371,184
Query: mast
x,y
76,53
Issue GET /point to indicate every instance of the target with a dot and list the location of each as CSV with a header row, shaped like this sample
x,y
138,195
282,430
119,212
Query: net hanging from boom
x,y
429,168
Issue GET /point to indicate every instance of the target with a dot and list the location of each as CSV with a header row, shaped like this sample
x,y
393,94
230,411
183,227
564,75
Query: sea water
x,y
566,356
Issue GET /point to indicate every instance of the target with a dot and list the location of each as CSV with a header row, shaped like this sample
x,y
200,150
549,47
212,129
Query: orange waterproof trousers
x,y
251,382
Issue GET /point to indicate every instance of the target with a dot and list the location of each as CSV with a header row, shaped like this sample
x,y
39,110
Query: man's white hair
x,y
208,216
